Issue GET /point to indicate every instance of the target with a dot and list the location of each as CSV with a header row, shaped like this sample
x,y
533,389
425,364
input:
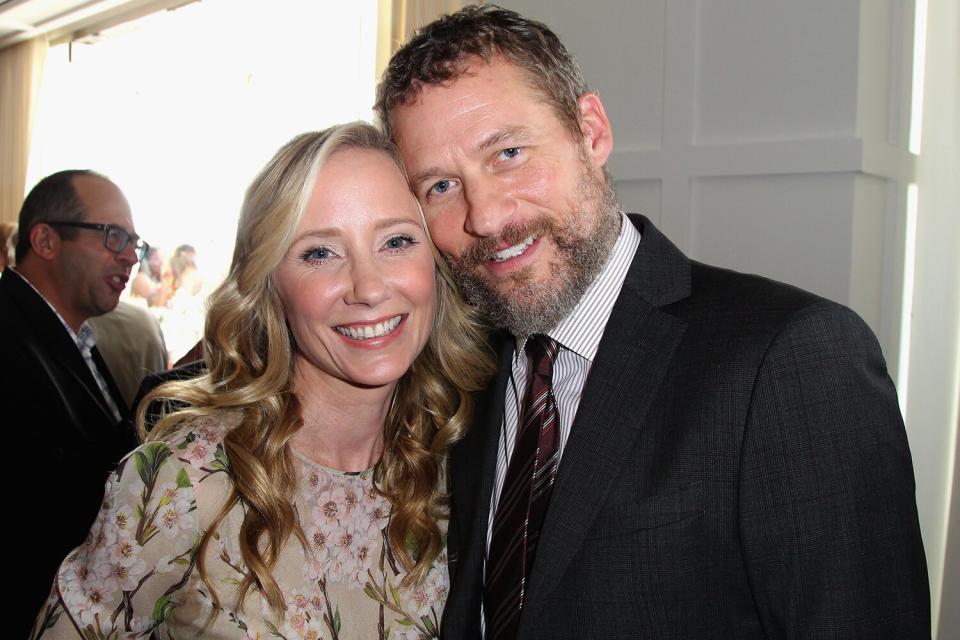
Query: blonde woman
x,y
301,493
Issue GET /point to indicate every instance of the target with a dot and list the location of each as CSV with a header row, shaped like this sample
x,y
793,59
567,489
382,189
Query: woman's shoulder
x,y
197,441
208,427
193,451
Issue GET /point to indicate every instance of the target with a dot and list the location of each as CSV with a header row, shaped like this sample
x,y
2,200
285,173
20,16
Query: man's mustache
x,y
483,249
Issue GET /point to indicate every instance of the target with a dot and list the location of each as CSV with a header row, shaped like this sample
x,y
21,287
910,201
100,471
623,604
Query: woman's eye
x,y
399,242
316,254
510,152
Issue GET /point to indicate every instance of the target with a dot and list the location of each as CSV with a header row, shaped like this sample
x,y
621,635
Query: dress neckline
x,y
330,470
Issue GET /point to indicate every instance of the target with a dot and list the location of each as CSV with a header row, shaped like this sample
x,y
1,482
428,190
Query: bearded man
x,y
670,450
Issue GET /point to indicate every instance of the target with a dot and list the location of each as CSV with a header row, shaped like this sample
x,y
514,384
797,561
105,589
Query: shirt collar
x,y
85,339
580,331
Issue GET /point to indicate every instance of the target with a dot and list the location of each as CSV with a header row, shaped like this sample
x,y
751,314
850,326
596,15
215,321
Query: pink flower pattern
x,y
136,577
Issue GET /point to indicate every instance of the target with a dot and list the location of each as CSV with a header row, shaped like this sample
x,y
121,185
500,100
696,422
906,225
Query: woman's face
x,y
357,284
155,262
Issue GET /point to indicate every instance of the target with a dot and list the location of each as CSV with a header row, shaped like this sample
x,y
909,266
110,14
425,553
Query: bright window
x,y
181,108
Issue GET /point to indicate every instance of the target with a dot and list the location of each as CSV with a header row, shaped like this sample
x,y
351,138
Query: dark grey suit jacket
x,y
737,468
66,438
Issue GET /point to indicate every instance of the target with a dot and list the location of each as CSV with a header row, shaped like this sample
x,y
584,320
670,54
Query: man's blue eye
x,y
442,186
510,152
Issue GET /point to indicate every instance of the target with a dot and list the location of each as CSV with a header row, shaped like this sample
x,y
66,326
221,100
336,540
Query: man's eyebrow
x,y
423,176
498,137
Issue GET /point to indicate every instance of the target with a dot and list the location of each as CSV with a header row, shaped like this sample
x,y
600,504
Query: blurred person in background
x,y
148,284
8,242
182,275
185,302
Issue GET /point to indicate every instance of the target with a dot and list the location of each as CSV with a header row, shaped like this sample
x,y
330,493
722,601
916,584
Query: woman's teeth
x,y
370,331
514,251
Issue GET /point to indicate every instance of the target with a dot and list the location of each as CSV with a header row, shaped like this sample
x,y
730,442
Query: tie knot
x,y
542,351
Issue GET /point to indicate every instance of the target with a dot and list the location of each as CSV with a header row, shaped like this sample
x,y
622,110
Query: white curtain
x,y
21,66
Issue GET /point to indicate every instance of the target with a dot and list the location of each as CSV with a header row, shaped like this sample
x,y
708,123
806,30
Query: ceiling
x,y
24,19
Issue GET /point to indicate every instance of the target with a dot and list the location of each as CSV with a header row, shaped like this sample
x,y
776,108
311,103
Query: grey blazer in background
x,y
738,468
131,342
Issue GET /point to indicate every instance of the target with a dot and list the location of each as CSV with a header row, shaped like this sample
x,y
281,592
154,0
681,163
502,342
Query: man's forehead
x,y
102,198
93,185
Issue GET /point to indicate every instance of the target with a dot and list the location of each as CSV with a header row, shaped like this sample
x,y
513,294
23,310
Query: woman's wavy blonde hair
x,y
249,352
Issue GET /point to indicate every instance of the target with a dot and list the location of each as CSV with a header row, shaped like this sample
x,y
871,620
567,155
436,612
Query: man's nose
x,y
489,208
367,284
128,254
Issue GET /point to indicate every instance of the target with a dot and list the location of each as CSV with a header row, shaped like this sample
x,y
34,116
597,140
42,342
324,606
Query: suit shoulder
x,y
716,284
752,311
716,290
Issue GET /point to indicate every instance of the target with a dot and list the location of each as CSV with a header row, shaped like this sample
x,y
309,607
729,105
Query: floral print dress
x,y
136,575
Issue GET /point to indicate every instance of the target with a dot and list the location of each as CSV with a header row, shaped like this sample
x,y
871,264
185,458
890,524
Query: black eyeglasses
x,y
115,237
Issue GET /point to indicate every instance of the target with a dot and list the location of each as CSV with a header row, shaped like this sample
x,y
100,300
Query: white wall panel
x,y
774,70
880,57
871,211
770,225
640,196
624,58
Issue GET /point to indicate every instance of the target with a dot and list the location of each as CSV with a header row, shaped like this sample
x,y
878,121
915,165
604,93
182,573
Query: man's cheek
x,y
450,241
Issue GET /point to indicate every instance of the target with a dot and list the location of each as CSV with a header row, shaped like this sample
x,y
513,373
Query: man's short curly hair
x,y
440,52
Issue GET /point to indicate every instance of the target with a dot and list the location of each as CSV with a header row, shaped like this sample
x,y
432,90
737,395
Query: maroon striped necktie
x,y
524,496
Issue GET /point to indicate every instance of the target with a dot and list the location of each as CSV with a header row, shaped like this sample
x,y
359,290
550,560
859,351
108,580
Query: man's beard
x,y
526,307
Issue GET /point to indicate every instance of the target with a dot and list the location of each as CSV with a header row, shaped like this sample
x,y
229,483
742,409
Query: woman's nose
x,y
367,285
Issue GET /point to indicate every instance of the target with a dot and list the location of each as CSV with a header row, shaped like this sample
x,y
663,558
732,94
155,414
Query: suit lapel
x,y
112,387
55,349
472,467
634,354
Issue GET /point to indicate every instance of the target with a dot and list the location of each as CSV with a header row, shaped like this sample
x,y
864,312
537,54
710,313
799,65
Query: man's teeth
x,y
515,250
370,331
118,280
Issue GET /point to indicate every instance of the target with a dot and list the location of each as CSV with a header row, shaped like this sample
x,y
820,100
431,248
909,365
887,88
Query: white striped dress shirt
x,y
579,337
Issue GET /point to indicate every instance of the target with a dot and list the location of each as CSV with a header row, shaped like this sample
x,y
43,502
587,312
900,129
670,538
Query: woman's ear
x,y
597,133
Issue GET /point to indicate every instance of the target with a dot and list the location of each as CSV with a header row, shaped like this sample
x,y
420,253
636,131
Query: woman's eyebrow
x,y
333,232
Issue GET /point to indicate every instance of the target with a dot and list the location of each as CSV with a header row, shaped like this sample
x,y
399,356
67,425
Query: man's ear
x,y
597,133
44,241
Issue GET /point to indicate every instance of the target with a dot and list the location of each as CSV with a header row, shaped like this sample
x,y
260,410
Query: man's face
x,y
91,276
519,208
